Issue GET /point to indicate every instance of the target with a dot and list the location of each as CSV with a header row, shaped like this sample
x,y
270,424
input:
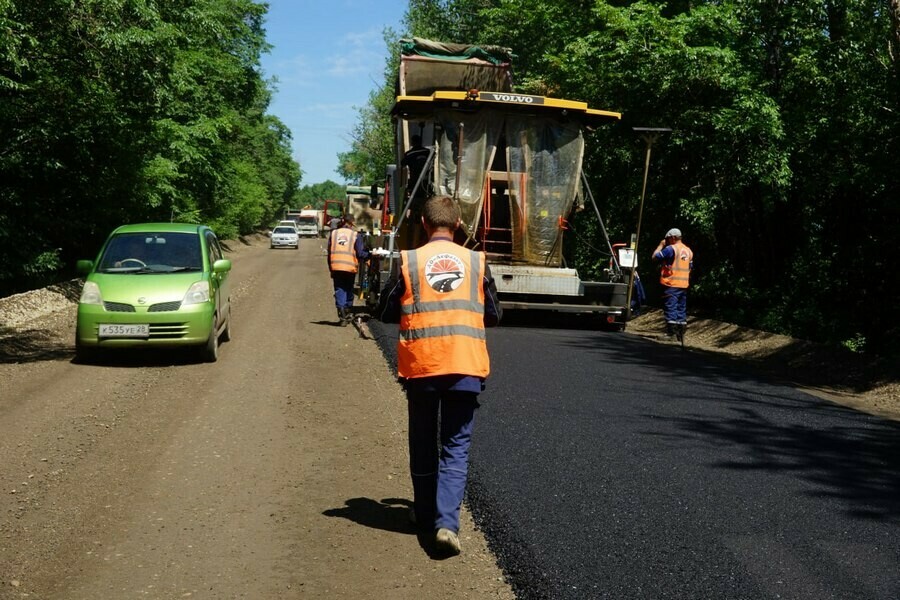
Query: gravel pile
x,y
20,309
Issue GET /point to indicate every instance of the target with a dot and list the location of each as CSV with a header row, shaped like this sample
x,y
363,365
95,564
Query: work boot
x,y
345,317
447,542
670,332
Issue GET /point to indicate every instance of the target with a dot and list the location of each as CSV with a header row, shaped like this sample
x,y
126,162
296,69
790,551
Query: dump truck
x,y
364,203
308,222
512,161
292,214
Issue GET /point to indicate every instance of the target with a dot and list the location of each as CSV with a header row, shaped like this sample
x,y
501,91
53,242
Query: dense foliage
x,y
779,167
315,195
118,111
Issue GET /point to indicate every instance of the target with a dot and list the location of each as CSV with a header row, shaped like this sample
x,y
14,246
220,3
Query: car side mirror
x,y
83,267
223,265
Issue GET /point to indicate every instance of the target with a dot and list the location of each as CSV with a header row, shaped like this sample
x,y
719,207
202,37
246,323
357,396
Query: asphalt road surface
x,y
608,466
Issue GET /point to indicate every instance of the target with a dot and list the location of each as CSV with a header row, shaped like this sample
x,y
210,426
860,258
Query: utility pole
x,y
649,135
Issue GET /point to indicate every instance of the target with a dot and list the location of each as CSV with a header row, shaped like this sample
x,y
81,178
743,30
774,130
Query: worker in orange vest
x,y
443,297
345,249
676,261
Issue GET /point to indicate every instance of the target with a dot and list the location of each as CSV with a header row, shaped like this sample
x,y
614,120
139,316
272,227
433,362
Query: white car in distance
x,y
284,235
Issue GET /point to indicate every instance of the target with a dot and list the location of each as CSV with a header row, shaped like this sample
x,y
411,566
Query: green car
x,y
155,285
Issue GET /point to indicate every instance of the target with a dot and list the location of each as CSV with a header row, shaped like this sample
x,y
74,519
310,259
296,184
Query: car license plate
x,y
125,331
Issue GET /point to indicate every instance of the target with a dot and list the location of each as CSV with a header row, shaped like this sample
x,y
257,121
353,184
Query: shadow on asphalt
x,y
844,454
541,319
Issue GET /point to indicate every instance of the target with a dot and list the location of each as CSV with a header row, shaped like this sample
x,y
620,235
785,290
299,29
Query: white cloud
x,y
297,71
362,53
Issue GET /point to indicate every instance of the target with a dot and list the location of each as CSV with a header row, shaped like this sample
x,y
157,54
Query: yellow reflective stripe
x,y
442,331
475,276
413,265
439,305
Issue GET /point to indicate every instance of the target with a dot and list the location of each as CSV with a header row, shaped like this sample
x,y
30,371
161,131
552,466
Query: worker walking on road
x,y
345,249
443,298
676,262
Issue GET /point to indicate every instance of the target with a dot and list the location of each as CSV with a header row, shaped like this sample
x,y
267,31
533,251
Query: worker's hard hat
x,y
674,232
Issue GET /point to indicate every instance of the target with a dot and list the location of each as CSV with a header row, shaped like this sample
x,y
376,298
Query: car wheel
x,y
226,334
210,352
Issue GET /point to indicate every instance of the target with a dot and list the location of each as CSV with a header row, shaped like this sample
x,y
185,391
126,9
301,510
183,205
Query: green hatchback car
x,y
155,285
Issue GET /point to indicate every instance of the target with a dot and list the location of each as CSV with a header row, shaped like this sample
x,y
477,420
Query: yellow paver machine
x,y
512,161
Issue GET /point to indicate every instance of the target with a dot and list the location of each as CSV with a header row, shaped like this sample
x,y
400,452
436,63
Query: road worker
x,y
676,262
443,297
345,249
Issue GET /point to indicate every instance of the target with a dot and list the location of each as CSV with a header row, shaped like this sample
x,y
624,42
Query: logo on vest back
x,y
444,272
343,239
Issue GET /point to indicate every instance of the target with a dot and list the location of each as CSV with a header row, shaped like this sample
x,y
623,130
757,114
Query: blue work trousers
x,y
439,472
675,305
343,288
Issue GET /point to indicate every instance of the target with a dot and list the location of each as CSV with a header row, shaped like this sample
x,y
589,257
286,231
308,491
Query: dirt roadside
x,y
278,472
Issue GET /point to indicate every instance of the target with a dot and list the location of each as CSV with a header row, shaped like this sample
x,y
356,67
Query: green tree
x,y
117,111
316,194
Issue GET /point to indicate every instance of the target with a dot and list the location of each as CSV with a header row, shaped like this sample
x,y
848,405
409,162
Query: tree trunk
x,y
895,33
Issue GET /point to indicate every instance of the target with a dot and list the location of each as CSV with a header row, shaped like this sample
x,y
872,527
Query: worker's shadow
x,y
329,323
391,514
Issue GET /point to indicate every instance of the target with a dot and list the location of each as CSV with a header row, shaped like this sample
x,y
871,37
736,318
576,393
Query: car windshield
x,y
285,230
152,253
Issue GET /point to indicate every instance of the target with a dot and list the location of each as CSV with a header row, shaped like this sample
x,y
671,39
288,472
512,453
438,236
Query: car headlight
x,y
198,294
90,294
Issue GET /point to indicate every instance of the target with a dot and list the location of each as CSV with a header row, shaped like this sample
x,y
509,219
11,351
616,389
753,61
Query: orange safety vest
x,y
678,273
342,251
442,312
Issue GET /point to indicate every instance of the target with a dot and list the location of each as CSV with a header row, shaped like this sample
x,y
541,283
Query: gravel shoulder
x,y
279,471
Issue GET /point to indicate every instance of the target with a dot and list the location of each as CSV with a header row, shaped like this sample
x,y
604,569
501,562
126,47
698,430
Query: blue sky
x,y
327,56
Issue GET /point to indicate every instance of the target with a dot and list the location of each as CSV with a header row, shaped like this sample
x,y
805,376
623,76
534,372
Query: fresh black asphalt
x,y
608,466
